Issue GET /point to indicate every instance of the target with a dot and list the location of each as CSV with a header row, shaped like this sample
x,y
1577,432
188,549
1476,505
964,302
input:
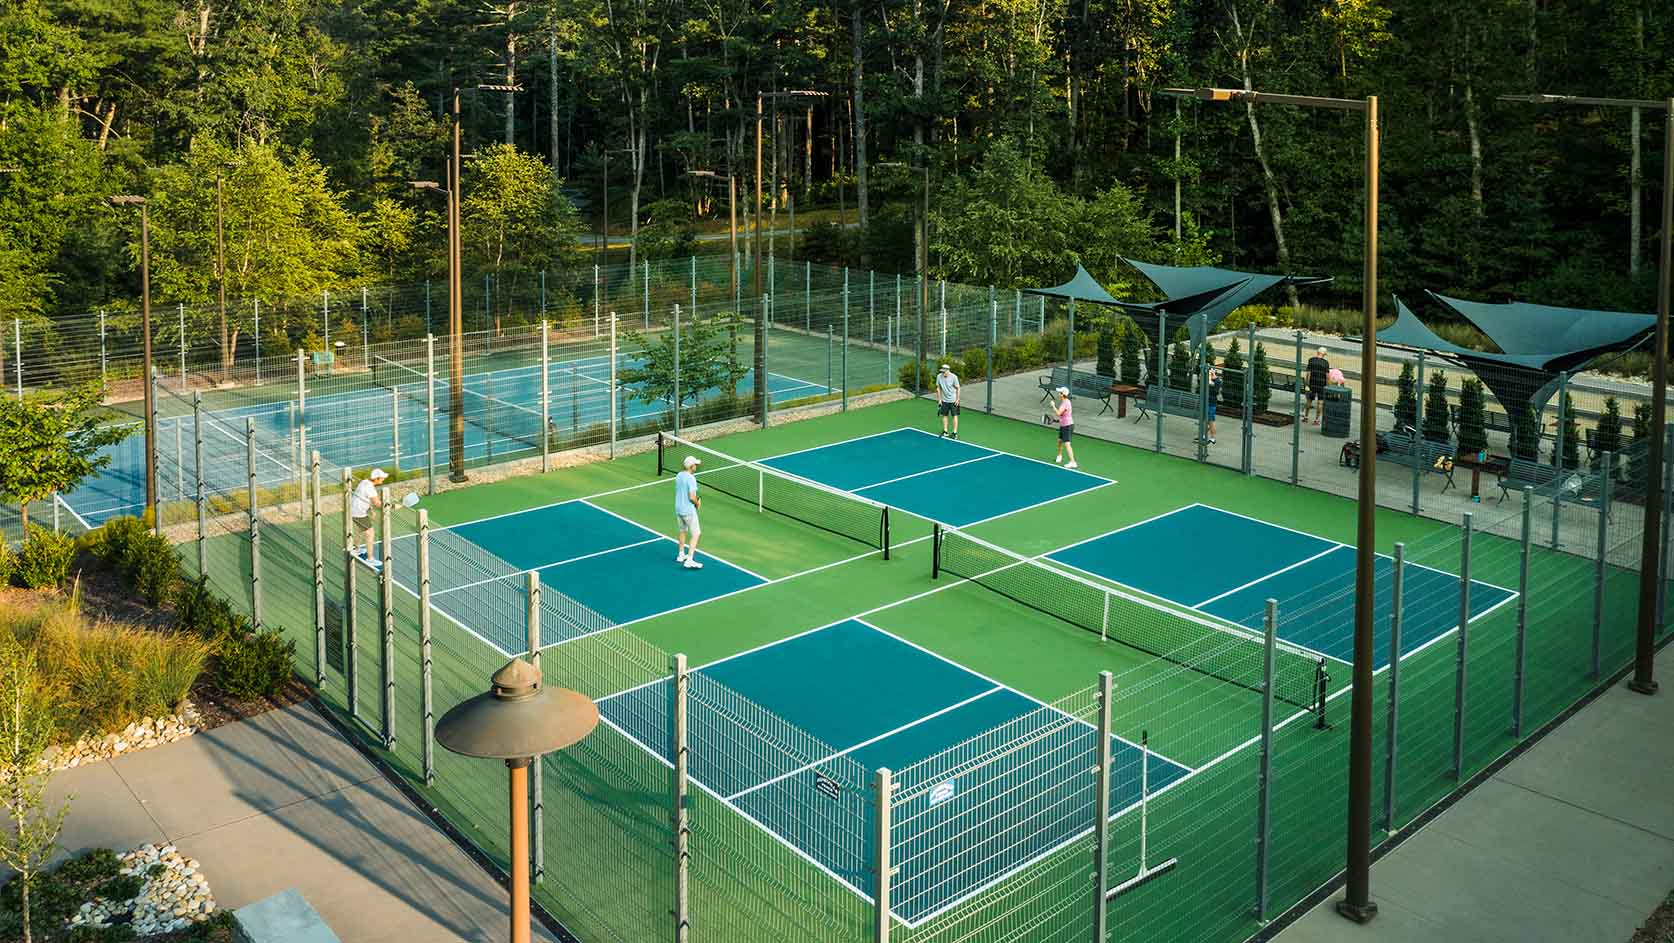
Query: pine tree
x,y
1107,351
1435,409
1131,356
1637,448
1571,433
1179,367
1608,439
1406,402
1473,432
1232,377
1263,379
1525,436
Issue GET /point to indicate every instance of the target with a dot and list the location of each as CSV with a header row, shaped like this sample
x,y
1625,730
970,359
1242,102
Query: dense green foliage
x,y
1232,377
1473,418
1406,398
1036,129
1570,433
1435,408
1131,355
1263,379
1608,439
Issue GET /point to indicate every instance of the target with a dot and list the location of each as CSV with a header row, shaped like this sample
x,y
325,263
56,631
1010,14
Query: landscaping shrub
x,y
1132,338
1232,385
1435,409
145,561
199,610
1106,366
1406,398
1608,439
255,664
44,560
1571,433
1473,434
8,563
1263,380
974,367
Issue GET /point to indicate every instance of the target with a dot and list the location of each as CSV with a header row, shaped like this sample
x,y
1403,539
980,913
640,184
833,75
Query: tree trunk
x,y
1635,180
808,155
1270,183
511,74
105,125
860,197
1473,124
552,102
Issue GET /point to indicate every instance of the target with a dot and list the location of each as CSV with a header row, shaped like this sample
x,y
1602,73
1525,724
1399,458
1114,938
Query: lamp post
x,y
1644,656
732,213
456,444
145,345
1356,904
517,720
759,390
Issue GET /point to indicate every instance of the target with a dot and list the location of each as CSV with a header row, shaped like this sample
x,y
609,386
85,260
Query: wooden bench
x,y
1398,447
1170,402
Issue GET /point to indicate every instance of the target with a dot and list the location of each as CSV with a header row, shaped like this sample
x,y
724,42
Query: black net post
x,y
1463,649
935,551
1398,598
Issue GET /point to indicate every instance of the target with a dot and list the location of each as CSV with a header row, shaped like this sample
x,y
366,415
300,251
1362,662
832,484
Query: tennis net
x,y
497,418
821,506
1210,646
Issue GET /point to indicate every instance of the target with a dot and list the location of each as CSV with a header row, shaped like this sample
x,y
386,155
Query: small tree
x,y
1473,418
1131,356
1263,379
1406,400
1435,409
1525,435
1609,435
1179,367
1641,435
26,726
708,360
1232,386
51,444
1571,433
1107,351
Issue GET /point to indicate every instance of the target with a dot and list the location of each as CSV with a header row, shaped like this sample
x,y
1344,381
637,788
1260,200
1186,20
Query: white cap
x,y
689,461
1321,351
1063,391
378,474
946,367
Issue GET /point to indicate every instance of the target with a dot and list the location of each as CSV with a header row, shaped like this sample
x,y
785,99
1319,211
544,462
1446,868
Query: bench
x,y
1080,383
1521,472
1170,402
1398,447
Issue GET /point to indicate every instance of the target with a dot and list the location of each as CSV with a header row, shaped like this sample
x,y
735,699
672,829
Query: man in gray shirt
x,y
947,398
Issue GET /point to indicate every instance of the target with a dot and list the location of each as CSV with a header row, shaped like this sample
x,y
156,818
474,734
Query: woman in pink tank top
x,y
1066,427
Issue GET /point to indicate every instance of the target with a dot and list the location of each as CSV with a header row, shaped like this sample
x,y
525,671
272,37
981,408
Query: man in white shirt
x,y
947,396
361,503
686,504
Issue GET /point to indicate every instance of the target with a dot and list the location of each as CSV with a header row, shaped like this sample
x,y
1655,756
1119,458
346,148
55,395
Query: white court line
x,y
816,448
1262,579
661,536
546,566
927,471
1103,483
864,743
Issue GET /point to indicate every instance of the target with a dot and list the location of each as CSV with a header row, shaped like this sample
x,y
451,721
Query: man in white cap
x,y
686,504
947,398
361,503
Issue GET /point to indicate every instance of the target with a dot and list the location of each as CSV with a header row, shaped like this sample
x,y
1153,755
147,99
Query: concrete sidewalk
x,y
283,801
1572,841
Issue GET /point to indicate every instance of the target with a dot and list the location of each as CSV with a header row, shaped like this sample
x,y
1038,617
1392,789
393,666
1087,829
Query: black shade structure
x,y
1201,296
1082,286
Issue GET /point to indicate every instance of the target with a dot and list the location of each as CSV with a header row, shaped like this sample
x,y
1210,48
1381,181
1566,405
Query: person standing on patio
x,y
1318,369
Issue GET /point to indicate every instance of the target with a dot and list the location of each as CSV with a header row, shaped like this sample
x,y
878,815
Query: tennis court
x,y
941,479
611,565
874,700
1251,561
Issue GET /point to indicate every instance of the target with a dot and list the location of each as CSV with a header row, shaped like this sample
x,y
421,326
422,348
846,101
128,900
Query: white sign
x,y
943,792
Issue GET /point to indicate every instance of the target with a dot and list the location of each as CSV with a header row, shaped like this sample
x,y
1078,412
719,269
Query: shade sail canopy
x,y
1565,338
1201,296
1081,287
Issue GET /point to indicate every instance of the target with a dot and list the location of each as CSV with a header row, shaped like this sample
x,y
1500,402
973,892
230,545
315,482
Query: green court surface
x,y
609,870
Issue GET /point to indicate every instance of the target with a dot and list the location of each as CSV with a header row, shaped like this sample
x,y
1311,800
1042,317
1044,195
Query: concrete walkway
x,y
1572,841
282,801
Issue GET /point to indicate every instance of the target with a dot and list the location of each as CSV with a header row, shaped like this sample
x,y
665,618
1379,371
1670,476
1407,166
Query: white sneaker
x,y
681,557
1057,460
1072,465
692,564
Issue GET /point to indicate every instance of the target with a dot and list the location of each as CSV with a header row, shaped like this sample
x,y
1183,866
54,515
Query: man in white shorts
x,y
361,503
686,504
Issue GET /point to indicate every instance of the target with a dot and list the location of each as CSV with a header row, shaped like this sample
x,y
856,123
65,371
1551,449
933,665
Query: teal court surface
x,y
386,425
1227,565
614,567
937,478
871,700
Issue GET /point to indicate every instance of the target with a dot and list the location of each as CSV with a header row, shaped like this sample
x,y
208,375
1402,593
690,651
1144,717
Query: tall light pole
x,y
145,345
456,314
1644,656
1356,904
732,213
759,385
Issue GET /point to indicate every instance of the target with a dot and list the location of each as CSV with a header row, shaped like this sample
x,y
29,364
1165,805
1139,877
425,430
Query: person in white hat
x,y
686,504
1066,427
947,398
361,503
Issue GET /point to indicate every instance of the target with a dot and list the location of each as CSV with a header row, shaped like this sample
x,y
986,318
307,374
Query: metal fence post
x,y
1558,459
808,296
679,819
1599,566
1464,648
537,801
1160,381
1296,412
694,305
596,301
386,608
942,303
102,358
988,353
201,498
427,703
17,355
883,794
255,524
845,340
1417,441
1101,814
871,306
317,547
430,414
676,369
301,387
365,333
182,309
256,337
613,384
1525,542
1264,822
1391,734
645,267
546,389
830,376
156,446
1249,402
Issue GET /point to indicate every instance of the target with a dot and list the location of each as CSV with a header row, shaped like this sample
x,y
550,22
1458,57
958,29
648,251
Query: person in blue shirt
x,y
686,504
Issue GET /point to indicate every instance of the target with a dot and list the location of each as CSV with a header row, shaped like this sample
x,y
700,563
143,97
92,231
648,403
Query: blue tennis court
x,y
871,700
615,567
937,478
1229,565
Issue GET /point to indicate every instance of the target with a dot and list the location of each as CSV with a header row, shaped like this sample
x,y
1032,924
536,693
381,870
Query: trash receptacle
x,y
1339,408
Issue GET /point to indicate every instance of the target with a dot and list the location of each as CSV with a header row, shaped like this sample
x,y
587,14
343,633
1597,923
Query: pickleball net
x,y
1200,643
497,417
769,489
